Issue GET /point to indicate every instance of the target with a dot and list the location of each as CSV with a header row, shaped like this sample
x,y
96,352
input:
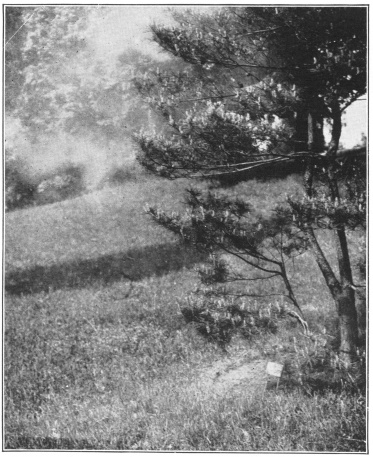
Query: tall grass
x,y
99,356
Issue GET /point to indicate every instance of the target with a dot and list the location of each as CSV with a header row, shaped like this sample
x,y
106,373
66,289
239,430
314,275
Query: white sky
x,y
355,118
116,28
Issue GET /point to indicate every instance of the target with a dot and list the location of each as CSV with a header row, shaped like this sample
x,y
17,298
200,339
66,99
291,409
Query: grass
x,y
98,355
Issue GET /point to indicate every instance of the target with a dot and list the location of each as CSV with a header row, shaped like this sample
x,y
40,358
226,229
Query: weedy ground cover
x,y
98,354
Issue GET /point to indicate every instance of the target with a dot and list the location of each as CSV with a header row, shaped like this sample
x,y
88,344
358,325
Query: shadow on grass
x,y
28,442
133,265
47,442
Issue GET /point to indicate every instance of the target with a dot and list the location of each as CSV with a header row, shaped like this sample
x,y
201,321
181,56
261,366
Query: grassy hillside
x,y
98,355
99,238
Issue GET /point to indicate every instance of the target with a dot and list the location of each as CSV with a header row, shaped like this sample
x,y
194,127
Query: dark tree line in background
x,y
260,85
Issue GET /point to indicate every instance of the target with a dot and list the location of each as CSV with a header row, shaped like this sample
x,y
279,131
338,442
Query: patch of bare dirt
x,y
245,376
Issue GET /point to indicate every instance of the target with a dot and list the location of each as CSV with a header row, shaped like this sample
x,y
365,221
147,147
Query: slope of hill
x,y
100,237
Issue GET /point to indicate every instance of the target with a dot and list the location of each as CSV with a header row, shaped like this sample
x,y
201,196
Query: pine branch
x,y
240,170
260,278
266,270
254,295
259,31
278,158
206,98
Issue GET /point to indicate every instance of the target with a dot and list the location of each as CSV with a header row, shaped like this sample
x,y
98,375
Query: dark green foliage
x,y
219,322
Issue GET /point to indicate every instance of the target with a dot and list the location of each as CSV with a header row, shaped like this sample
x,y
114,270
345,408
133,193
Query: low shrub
x,y
219,319
20,190
66,182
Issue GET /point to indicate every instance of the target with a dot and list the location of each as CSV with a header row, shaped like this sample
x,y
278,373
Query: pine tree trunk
x,y
348,328
345,298
341,290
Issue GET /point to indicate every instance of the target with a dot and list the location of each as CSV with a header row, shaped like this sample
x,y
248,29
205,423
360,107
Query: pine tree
x,y
260,85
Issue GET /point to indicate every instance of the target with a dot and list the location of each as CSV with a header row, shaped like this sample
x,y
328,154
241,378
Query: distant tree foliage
x,y
259,85
55,83
14,35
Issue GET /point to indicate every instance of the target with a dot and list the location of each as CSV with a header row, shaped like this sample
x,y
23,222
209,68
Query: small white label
x,y
274,369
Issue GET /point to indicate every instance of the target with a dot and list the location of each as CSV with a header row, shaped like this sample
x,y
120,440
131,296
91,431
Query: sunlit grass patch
x,y
100,223
175,417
